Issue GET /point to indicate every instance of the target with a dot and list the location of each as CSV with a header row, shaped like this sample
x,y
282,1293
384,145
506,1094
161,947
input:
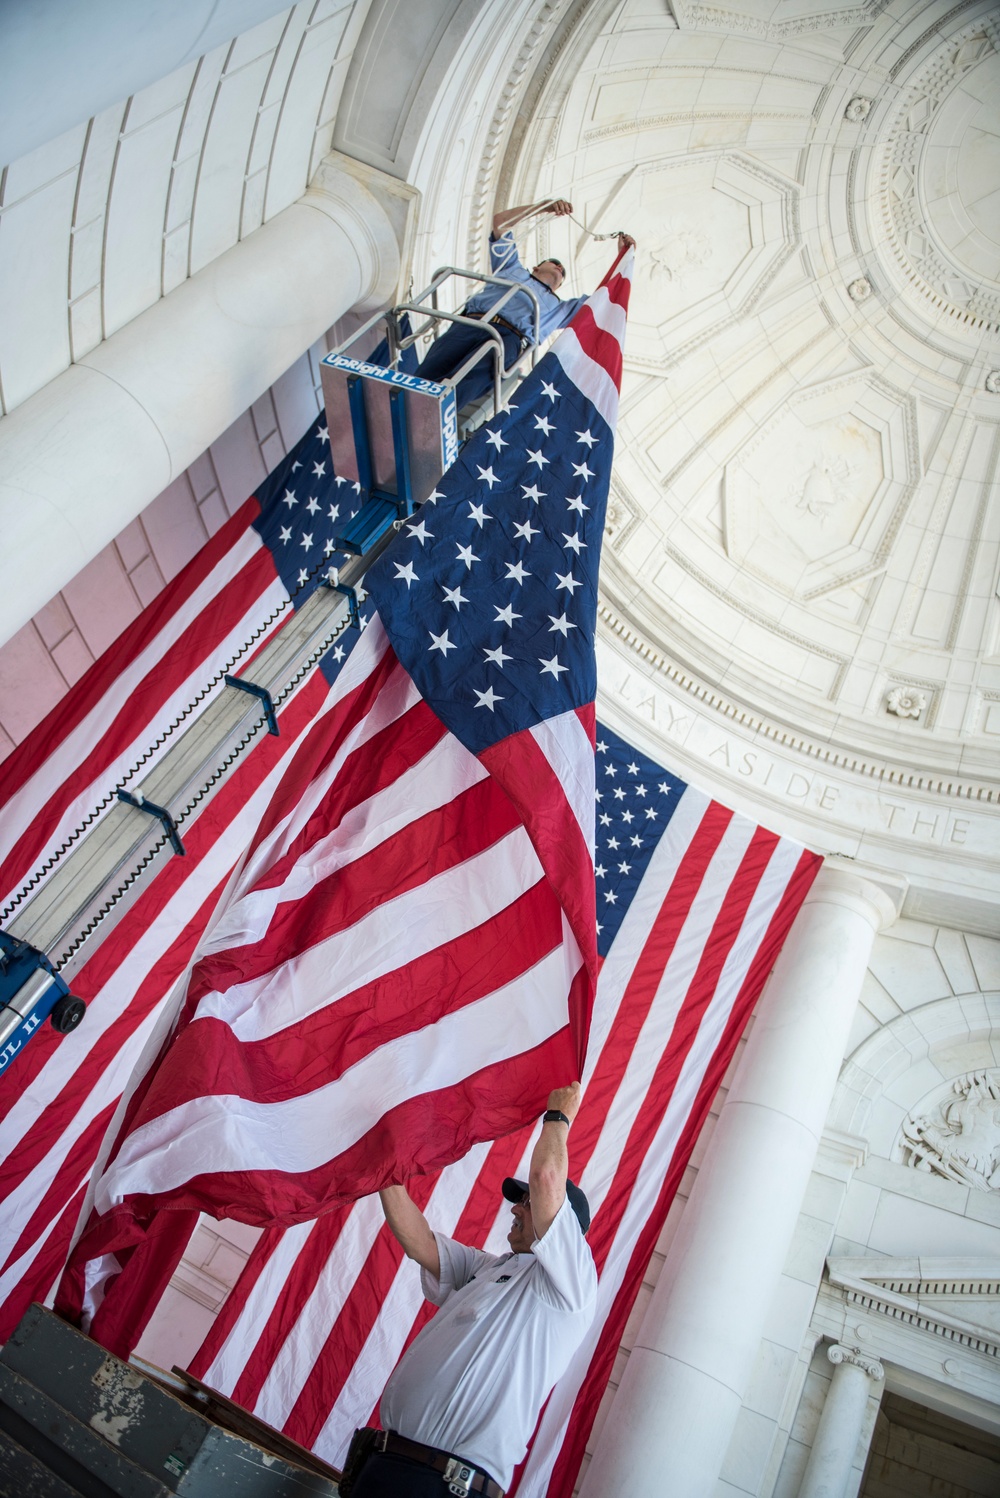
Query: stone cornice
x,y
840,756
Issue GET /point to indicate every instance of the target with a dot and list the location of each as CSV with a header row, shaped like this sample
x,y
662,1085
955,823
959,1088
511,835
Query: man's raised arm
x,y
507,217
550,1160
410,1228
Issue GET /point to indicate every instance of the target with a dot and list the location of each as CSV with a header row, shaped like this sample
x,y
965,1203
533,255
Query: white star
x,y
488,698
313,505
598,927
636,841
356,487
328,547
611,897
488,476
478,514
495,439
640,790
339,480
537,457
467,555
406,574
610,770
543,424
303,577
624,868
307,540
516,570
286,534
627,816
605,820
455,596
323,434
551,391
651,813
296,464
577,504
497,656
573,543
421,532
288,498
664,788
338,653
526,531
434,496
586,437
619,793
583,471
613,842
562,624
551,667
602,747
633,768
533,492
600,871
566,580
441,642
319,469
506,616
333,513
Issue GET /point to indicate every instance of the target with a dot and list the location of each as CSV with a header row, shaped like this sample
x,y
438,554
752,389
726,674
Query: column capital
x,y
876,894
839,1354
381,214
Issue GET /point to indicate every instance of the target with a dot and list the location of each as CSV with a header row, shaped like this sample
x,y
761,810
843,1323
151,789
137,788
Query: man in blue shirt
x,y
516,322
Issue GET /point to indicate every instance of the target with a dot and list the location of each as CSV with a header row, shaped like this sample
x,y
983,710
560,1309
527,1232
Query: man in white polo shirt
x,y
459,1410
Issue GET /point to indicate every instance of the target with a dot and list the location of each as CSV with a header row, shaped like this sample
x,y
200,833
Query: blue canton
x,y
304,505
489,594
636,798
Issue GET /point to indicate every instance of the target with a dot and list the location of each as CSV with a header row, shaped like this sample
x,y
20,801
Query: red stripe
x,y
519,765
41,1273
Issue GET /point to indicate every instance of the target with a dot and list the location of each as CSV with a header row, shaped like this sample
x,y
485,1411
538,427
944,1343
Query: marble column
x,y
835,1445
684,1382
84,456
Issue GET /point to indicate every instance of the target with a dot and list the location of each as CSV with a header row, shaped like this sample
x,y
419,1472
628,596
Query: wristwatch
x,y
552,1115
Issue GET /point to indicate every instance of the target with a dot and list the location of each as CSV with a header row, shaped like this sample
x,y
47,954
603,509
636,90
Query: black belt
x,y
461,1476
501,322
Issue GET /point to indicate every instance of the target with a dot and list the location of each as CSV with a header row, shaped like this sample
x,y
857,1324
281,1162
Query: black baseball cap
x,y
514,1191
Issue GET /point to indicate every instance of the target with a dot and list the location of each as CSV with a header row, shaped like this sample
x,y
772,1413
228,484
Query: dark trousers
x,y
385,1475
449,352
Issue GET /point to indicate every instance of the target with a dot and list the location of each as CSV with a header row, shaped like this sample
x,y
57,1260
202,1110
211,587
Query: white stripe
x,y
567,749
232,1357
302,1133
387,939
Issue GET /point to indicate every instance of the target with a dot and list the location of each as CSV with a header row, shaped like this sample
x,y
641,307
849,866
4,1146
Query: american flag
x,y
694,903
406,962
60,1094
